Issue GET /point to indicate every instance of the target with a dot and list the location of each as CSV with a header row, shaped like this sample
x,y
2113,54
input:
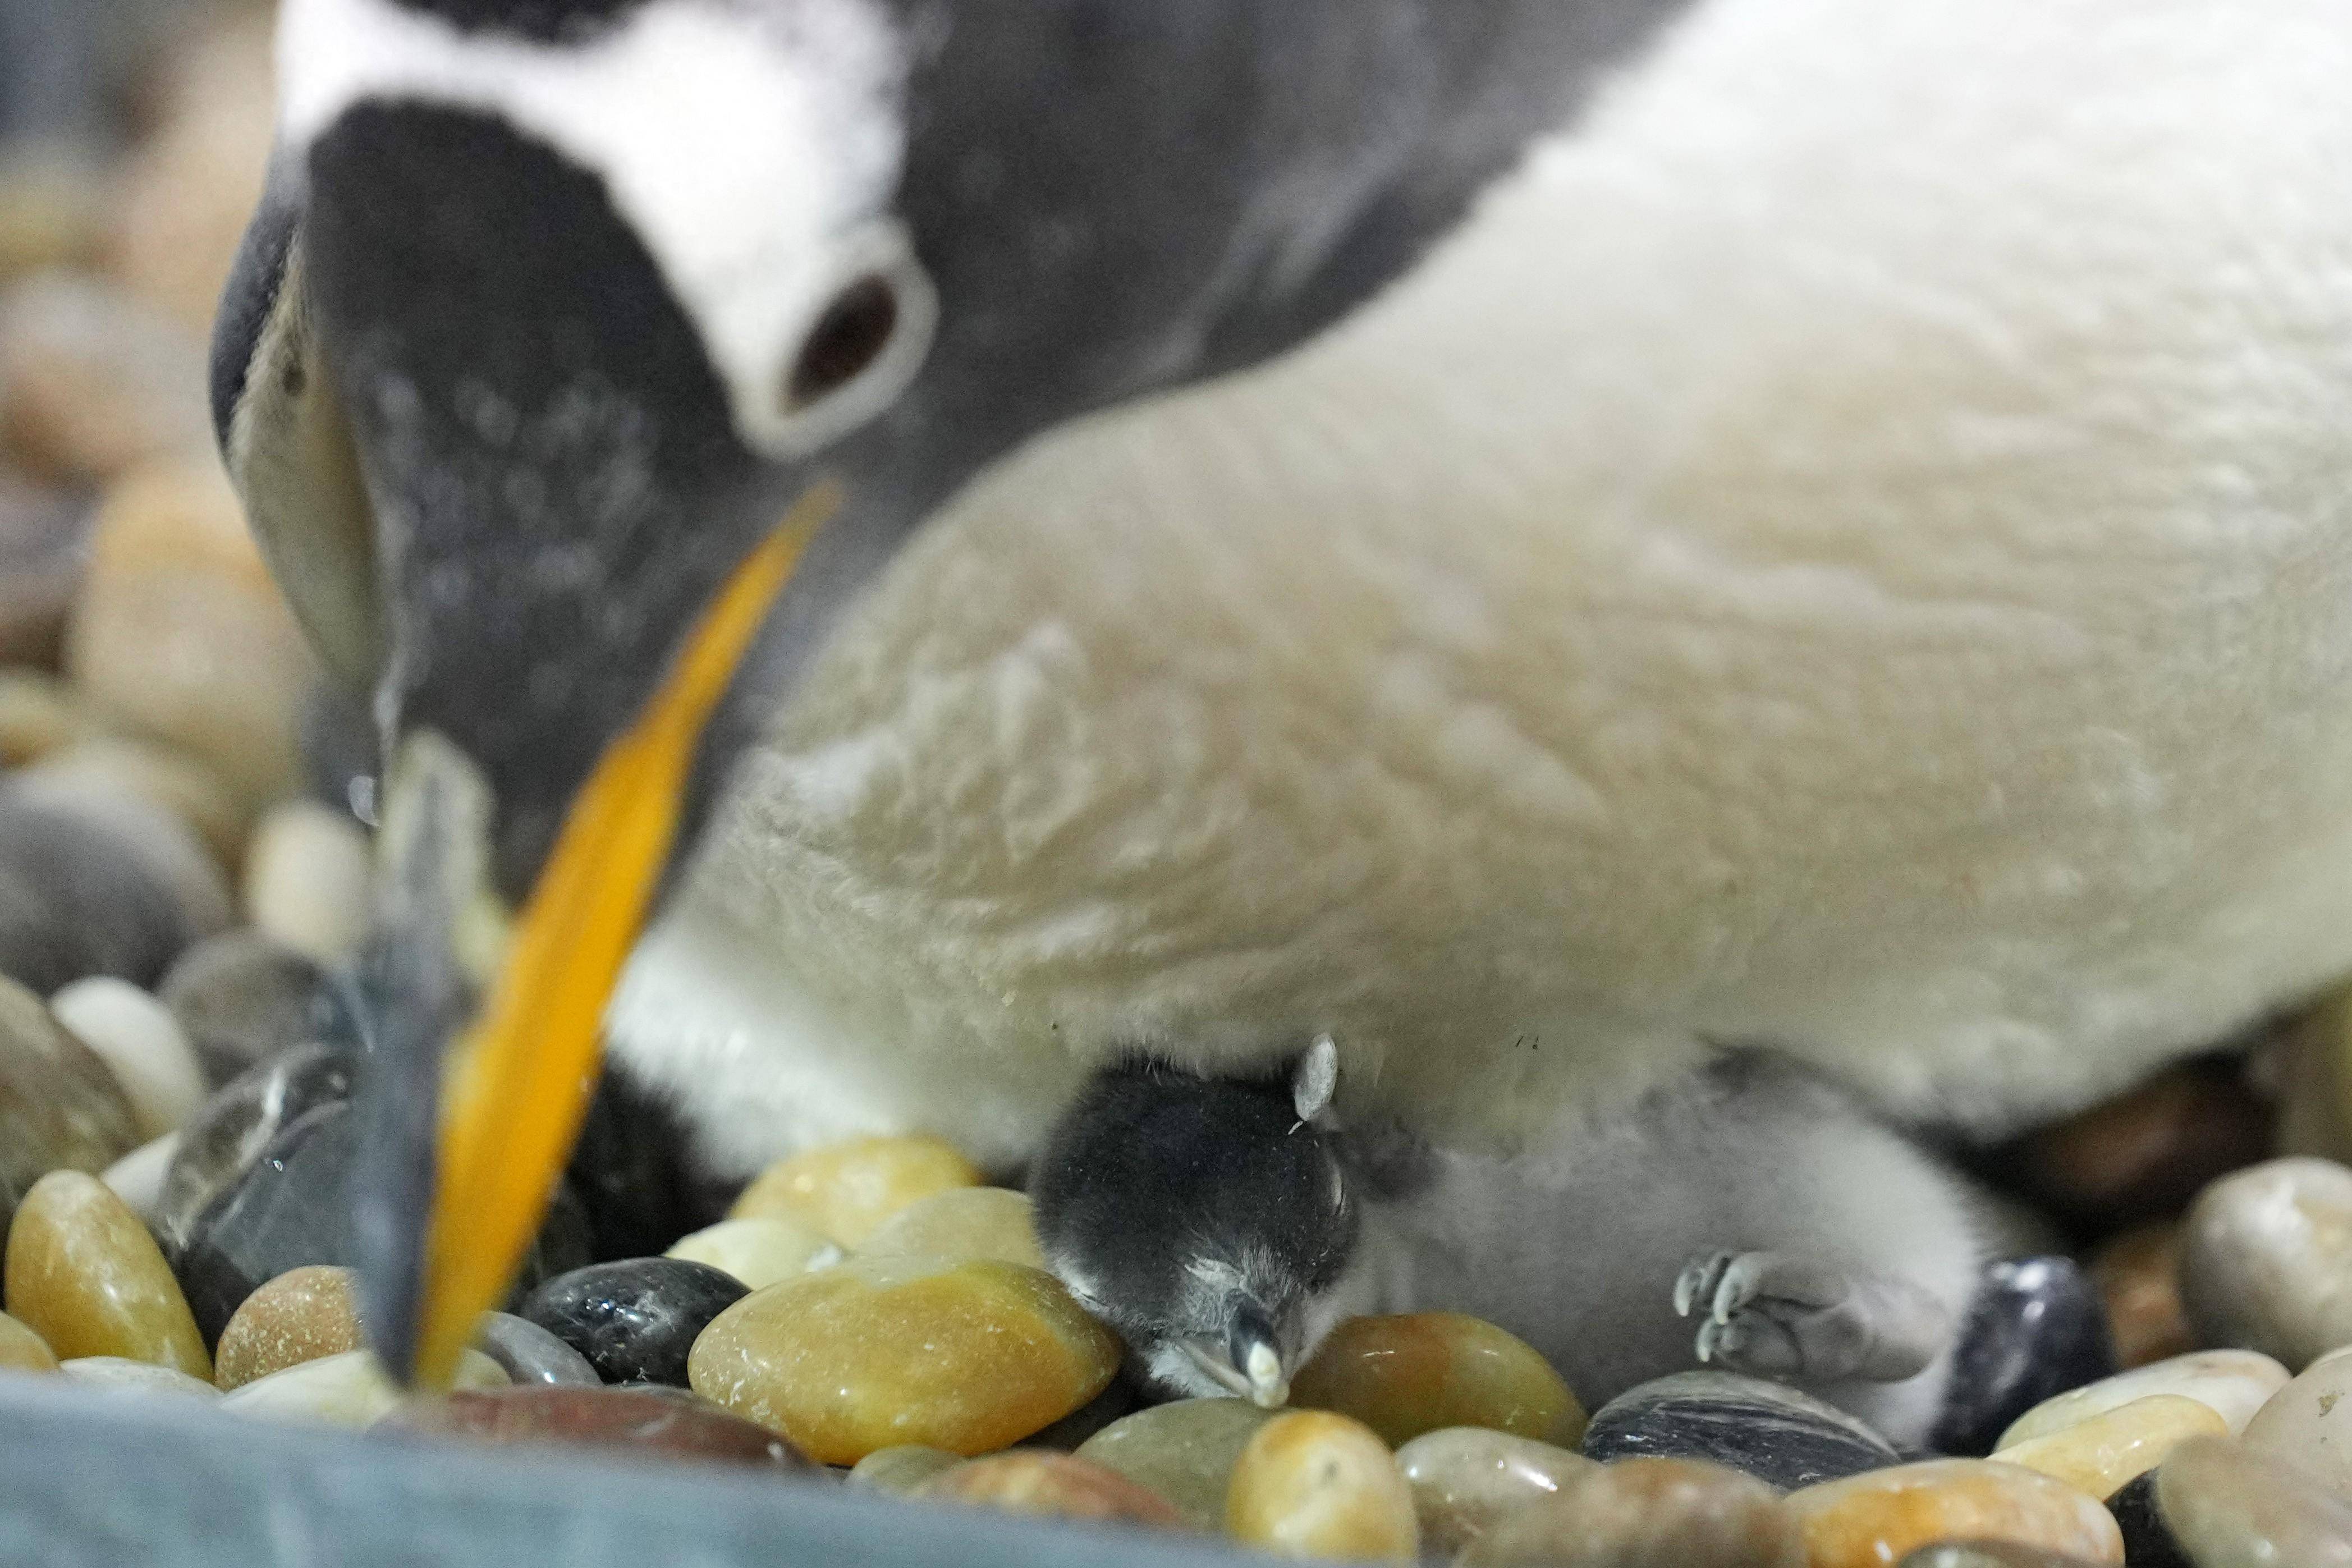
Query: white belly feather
x,y
1851,548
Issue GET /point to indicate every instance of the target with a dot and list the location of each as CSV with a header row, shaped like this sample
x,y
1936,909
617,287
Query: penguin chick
x,y
1209,1220
1747,1216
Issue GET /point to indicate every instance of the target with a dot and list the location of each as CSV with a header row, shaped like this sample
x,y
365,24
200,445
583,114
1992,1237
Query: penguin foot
x,y
1778,1315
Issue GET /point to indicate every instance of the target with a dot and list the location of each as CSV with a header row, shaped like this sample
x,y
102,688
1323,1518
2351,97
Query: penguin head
x,y
1209,1220
586,357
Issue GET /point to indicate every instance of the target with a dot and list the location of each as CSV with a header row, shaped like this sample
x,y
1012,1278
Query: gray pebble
x,y
530,1354
1777,1435
221,1144
2264,1253
97,881
243,999
2231,1507
59,1107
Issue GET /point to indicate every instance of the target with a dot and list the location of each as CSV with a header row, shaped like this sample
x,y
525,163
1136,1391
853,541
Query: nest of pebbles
x,y
181,872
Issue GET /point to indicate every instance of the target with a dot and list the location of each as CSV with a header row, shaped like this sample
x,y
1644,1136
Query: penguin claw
x,y
1700,1280
1773,1314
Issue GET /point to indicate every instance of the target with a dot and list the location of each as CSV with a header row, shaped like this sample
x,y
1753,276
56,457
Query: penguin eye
x,y
849,335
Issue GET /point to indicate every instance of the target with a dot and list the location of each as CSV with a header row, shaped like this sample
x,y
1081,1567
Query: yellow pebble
x,y
760,1252
847,1189
22,1350
1423,1372
83,1273
304,1314
2099,1455
966,1222
968,1357
1875,1518
1315,1484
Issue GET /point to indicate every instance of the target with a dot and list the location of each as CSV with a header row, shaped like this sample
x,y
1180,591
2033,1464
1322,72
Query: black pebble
x,y
635,1319
2147,1539
219,1148
1777,1435
2036,1330
292,1208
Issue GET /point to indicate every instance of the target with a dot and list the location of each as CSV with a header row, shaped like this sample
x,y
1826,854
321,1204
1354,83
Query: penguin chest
x,y
1847,548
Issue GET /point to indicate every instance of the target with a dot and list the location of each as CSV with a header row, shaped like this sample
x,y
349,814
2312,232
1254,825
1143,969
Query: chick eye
x,y
849,335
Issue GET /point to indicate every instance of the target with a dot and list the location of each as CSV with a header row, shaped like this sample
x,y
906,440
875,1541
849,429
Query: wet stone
x,y
228,1137
141,1043
137,1177
2230,1506
1878,1518
22,1350
306,879
1420,1372
243,999
1648,1513
1777,1435
847,1190
83,1273
901,1470
1060,1485
635,1321
656,1424
2036,1329
1468,1480
347,1390
965,1222
971,1357
529,1354
291,1207
758,1252
2148,1541
304,1314
2309,1423
59,1108
2099,1455
2147,1154
1315,1484
97,882
2138,1277
119,1374
2234,1383
2263,1256
1184,1451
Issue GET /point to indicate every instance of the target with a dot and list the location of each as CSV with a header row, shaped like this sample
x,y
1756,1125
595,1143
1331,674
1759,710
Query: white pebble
x,y
306,879
142,1043
137,1177
2234,1383
347,1390
116,1374
758,1251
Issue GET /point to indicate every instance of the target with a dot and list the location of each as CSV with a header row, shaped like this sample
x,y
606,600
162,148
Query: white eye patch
x,y
753,147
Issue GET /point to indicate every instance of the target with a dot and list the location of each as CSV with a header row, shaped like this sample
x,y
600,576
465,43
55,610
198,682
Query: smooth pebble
x,y
59,1108
83,1273
165,777
847,1190
243,998
1760,1428
967,1356
1315,1484
225,1140
303,1314
2309,1423
636,1320
1993,1554
2148,1541
100,880
2264,1256
140,1041
348,1389
1648,1513
529,1354
899,1470
1465,1480
2036,1329
1876,1519
758,1252
2100,1453
37,713
963,1222
1184,1451
306,879
649,1423
2138,1277
1420,1372
119,1374
137,1177
2230,1506
1060,1485
2234,1383
22,1350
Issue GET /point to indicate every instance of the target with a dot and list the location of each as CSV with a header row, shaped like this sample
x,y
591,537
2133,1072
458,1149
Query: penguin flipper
x,y
278,417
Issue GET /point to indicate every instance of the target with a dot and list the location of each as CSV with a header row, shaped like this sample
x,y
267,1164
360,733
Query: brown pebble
x,y
1421,1372
1033,1480
1316,1484
656,1424
22,1350
971,1356
53,200
302,1315
1648,1513
42,538
83,1273
59,1107
2138,1277
847,1190
1468,1480
1873,1519
91,382
2146,1153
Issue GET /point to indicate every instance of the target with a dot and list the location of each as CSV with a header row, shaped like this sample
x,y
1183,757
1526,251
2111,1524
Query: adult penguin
x,y
1835,539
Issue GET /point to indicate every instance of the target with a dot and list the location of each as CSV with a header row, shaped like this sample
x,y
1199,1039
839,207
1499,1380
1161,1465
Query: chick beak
x,y
1255,1354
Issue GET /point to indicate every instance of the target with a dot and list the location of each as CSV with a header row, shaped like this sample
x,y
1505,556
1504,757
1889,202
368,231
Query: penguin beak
x,y
1250,1362
574,552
